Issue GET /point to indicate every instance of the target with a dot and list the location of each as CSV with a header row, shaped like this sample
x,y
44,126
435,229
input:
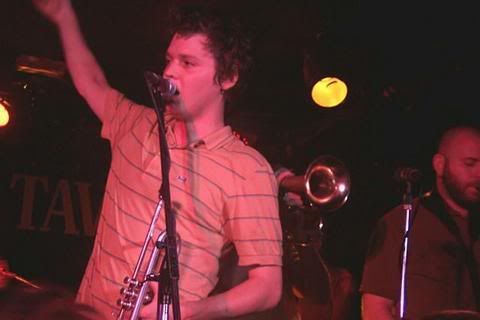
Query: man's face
x,y
461,175
191,67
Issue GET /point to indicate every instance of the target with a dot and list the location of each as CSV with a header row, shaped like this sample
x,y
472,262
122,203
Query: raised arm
x,y
84,69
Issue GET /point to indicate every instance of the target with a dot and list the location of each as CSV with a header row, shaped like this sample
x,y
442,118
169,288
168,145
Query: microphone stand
x,y
168,292
407,208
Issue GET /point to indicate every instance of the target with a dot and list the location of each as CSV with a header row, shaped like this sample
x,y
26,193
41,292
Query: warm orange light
x,y
4,115
329,92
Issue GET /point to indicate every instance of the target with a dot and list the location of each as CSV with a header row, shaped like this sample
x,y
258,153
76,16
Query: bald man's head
x,y
457,166
450,139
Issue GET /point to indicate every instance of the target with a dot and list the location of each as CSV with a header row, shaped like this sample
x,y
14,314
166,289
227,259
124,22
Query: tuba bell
x,y
326,183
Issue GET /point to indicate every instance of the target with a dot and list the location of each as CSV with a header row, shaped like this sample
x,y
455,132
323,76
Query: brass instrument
x,y
325,187
138,292
326,183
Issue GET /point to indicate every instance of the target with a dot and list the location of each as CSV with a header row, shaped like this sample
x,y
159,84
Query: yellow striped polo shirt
x,y
222,191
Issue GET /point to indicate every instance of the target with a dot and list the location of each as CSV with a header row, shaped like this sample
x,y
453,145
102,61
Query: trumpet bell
x,y
327,183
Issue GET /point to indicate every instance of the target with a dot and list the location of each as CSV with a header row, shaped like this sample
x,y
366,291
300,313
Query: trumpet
x,y
326,183
138,293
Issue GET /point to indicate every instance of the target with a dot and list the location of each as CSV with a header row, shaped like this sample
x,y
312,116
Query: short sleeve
x,y
120,114
253,223
381,273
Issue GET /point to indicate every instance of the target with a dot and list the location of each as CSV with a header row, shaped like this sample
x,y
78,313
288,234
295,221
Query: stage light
x,y
4,114
326,70
329,92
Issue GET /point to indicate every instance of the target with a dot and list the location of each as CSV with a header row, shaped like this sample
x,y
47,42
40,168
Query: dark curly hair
x,y
228,39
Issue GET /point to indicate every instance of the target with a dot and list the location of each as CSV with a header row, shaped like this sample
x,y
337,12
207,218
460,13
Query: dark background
x,y
411,70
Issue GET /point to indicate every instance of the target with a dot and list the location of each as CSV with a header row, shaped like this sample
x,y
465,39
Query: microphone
x,y
164,86
407,174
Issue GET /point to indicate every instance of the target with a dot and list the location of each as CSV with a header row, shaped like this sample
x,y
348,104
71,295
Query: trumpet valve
x,y
125,304
134,283
128,293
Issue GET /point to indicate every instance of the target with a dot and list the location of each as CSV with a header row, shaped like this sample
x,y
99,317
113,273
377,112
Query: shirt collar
x,y
175,134
435,203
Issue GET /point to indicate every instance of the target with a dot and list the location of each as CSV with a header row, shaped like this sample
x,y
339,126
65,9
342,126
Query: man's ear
x,y
438,163
230,82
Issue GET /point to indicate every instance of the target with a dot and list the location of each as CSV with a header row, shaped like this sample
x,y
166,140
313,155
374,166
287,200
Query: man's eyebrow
x,y
188,56
181,56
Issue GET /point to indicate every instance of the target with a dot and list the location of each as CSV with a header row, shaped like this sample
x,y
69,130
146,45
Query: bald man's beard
x,y
458,192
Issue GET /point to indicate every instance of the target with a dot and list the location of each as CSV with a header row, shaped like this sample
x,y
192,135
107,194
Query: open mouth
x,y
171,98
476,185
474,191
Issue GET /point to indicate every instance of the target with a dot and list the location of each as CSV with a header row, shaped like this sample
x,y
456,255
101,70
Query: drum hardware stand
x,y
15,276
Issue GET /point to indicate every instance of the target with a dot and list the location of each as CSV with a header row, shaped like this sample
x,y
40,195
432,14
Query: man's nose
x,y
169,72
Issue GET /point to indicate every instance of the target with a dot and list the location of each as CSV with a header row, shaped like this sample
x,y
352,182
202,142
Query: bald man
x,y
444,246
